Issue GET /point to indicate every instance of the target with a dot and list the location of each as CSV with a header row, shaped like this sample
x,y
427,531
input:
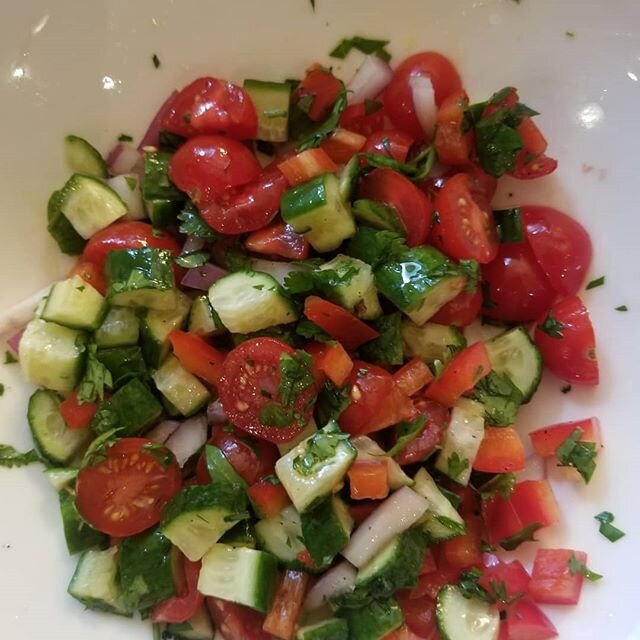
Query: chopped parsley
x,y
576,567
500,398
501,484
552,327
9,457
331,402
611,533
598,282
387,347
192,224
495,593
526,535
159,453
155,60
318,449
125,137
96,378
9,358
319,133
405,432
577,454
310,330
622,307
416,169
456,465
193,260
570,34
367,46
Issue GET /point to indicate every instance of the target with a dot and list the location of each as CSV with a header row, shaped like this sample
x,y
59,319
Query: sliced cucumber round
x,y
461,618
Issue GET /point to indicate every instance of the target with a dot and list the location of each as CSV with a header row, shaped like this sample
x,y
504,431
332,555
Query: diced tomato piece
x,y
369,479
306,165
197,356
501,451
338,322
528,168
396,407
532,138
512,575
304,557
526,621
334,362
405,633
389,143
461,311
278,239
464,551
452,144
500,519
419,616
91,273
360,511
546,441
413,376
341,145
283,616
322,87
551,579
464,371
534,501
437,418
361,119
268,499
236,621
77,415
185,605
430,583
428,564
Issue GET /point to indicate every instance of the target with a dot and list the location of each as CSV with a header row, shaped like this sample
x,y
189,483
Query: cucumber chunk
x,y
61,230
82,157
78,534
203,320
75,304
282,536
431,341
271,100
181,388
375,621
60,477
127,186
163,201
198,627
331,629
461,618
120,328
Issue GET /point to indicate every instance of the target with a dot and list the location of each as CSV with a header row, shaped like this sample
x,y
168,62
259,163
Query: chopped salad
x,y
259,400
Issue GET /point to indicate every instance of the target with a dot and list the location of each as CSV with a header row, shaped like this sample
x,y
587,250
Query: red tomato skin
x,y
117,480
307,165
513,574
235,621
341,145
91,273
268,499
501,451
500,519
127,235
411,204
206,166
573,356
463,551
461,311
419,615
249,370
211,105
437,418
355,118
184,606
76,415
324,88
464,228
430,583
537,167
398,98
464,371
517,288
278,239
526,621
551,579
534,501
452,145
389,143
249,207
545,441
561,246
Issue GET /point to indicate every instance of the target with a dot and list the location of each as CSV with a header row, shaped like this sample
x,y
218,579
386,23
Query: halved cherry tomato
x,y
278,239
197,356
356,117
464,371
268,499
283,616
338,322
323,88
249,207
552,581
210,105
452,145
437,418
501,451
250,382
526,621
561,246
91,273
389,143
531,161
398,95
77,415
236,622
307,165
483,185
464,551
517,288
420,617
126,235
185,605
207,165
369,479
341,145
124,493
464,228
572,354
413,376
546,441
461,311
411,204
397,408
334,362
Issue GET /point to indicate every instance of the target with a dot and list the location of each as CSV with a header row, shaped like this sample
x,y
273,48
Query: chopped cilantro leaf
x,y
387,347
526,535
416,169
159,453
456,465
577,567
577,454
192,224
9,358
155,60
1,389
552,327
313,4
192,260
611,533
9,457
500,397
319,133
331,402
125,137
405,432
622,307
496,592
367,46
598,282
501,484
319,448
96,378
570,34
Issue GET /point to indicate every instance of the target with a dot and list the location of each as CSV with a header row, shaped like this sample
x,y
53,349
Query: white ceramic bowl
x,y
86,67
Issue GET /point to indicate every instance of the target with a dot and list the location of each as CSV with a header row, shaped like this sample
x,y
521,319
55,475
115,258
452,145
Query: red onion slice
x,y
203,277
162,431
338,580
396,514
123,158
372,76
191,244
424,103
14,343
152,135
189,438
215,413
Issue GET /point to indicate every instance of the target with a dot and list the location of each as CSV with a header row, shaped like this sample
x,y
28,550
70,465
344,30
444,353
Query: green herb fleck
x,y
577,567
9,358
577,454
313,5
193,260
416,169
459,528
331,402
1,389
319,133
387,347
125,137
155,60
405,432
566,389
318,449
501,484
570,34
456,465
132,183
159,453
622,307
81,288
97,450
552,327
500,397
598,282
367,46
496,593
9,457
509,225
96,378
192,224
310,330
611,533
526,535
